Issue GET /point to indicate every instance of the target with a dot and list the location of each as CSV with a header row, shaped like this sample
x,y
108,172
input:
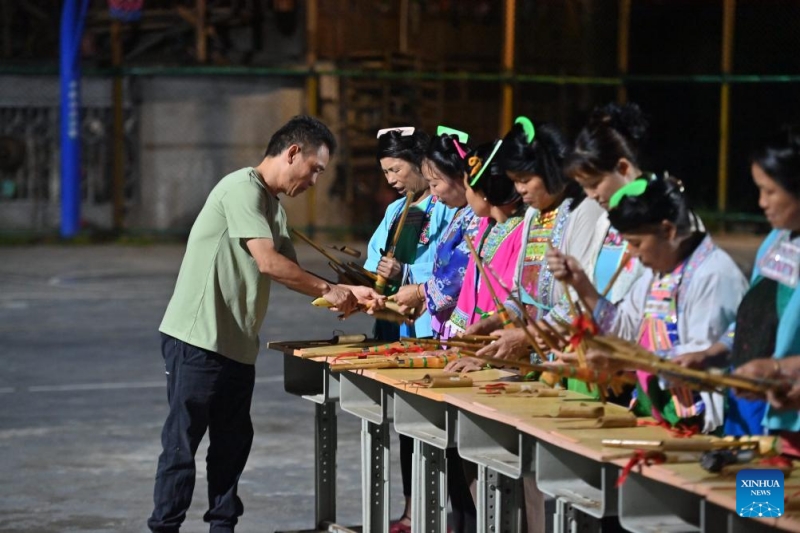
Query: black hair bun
x,y
627,119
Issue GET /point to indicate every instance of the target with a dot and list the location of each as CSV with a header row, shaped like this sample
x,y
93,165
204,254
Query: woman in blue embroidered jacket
x,y
443,168
768,320
400,154
683,303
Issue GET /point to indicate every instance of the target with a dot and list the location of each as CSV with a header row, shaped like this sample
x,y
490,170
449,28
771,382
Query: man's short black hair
x,y
305,131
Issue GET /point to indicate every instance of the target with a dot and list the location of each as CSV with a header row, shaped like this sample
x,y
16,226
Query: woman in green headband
x,y
683,303
498,241
557,214
604,159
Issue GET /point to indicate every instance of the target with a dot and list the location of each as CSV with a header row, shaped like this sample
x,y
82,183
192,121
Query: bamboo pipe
x,y
380,282
318,248
448,343
501,310
624,261
644,360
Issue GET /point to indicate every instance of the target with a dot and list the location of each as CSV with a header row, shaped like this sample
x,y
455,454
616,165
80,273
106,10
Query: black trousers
x,y
205,391
464,512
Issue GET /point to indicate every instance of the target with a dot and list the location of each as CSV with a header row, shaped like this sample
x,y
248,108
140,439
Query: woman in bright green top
x,y
604,159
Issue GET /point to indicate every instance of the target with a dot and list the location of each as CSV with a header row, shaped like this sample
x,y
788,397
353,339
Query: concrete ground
x,y
82,395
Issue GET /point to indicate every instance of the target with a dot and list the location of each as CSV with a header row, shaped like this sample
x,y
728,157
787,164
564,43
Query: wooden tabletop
x,y
536,416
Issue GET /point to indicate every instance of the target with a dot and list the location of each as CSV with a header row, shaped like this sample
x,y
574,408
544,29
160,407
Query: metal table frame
x,y
584,488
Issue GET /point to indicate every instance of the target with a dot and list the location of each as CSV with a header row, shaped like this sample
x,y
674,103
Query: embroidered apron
x,y
659,334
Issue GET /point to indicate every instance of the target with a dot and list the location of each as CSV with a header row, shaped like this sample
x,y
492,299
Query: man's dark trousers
x,y
205,390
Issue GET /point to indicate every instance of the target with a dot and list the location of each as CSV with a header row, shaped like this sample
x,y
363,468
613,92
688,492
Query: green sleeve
x,y
247,212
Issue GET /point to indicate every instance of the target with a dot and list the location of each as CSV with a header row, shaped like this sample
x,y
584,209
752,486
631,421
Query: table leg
x,y
429,489
500,501
375,470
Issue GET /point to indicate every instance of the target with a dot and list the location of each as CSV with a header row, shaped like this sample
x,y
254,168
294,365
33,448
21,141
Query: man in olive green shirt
x,y
238,245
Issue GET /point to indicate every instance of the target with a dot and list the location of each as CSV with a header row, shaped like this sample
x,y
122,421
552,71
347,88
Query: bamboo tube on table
x,y
448,343
437,361
479,338
607,379
580,411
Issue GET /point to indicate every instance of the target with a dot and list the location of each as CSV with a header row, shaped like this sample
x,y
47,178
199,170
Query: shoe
x,y
403,525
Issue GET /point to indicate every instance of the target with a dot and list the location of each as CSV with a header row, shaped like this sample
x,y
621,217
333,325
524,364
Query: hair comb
x,y
484,164
527,127
405,131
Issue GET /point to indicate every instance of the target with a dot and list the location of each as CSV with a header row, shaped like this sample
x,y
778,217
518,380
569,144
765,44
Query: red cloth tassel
x,y
680,431
639,458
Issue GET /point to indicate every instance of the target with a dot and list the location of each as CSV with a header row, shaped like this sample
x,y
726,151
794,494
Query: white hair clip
x,y
404,131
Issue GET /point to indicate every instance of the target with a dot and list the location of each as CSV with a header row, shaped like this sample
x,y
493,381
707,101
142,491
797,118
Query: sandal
x,y
402,525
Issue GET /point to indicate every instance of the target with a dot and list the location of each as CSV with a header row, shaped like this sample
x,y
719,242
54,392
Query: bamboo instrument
x,y
391,348
508,323
533,388
408,361
698,444
448,343
564,285
443,380
601,377
576,311
391,311
380,282
479,338
550,379
318,248
346,250
353,338
350,272
641,359
501,309
363,271
615,421
580,411
620,267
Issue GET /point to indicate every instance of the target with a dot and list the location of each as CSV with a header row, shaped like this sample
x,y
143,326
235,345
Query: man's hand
x,y
342,298
367,297
511,344
390,268
465,364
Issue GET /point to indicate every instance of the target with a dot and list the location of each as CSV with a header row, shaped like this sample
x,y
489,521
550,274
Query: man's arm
x,y
284,270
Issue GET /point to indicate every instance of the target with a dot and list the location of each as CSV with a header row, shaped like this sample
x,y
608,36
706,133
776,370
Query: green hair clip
x,y
460,135
483,164
634,188
527,127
